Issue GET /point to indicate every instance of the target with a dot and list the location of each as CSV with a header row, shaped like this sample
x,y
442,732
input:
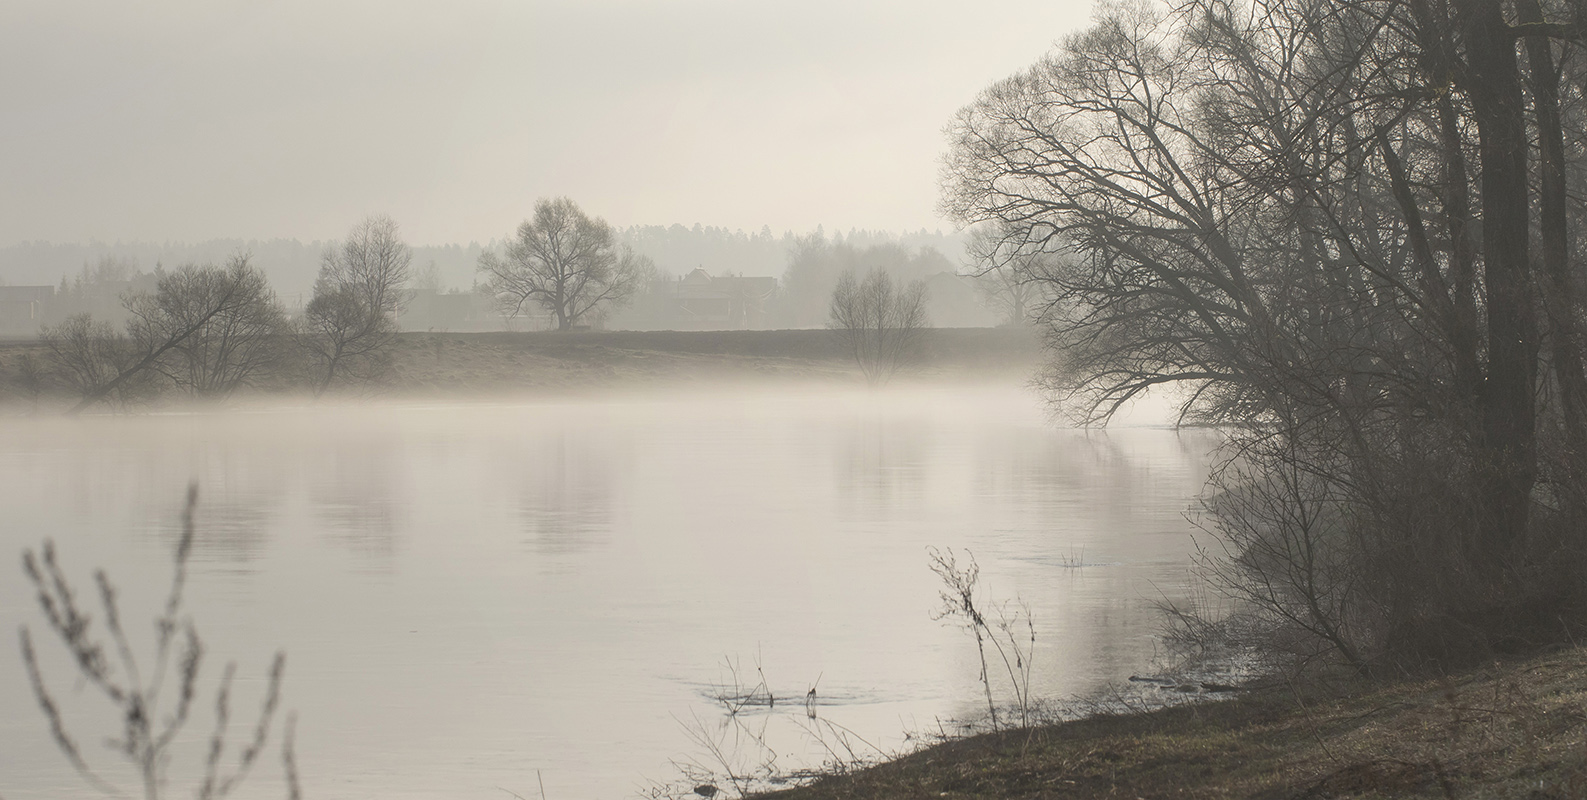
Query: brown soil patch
x,y
1516,730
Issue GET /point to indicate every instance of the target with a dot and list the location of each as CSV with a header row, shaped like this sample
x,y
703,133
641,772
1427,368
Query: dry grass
x,y
1511,730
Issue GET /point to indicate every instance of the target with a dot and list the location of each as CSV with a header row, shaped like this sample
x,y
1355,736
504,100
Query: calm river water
x,y
475,598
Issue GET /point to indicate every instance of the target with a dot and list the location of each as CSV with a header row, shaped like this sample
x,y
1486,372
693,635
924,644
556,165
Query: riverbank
x,y
433,364
1511,730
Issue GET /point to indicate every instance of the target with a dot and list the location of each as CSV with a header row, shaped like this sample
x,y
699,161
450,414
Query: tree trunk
x,y
1508,442
1559,302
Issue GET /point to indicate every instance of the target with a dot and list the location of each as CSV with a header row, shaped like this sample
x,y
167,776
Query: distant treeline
x,y
292,265
677,250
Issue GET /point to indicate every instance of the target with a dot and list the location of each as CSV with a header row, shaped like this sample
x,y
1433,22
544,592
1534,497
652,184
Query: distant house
x,y
22,309
700,301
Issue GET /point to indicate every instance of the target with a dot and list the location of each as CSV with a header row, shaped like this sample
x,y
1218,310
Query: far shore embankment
x,y
551,360
438,364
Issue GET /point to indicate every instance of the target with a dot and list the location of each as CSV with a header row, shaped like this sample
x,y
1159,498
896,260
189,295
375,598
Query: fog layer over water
x,y
470,593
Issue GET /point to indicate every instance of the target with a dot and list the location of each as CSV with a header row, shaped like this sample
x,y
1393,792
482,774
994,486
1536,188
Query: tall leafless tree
x,y
350,323
567,263
1315,219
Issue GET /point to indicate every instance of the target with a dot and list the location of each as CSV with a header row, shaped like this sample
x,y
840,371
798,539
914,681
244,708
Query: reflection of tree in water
x,y
228,528
1115,476
567,496
1056,462
1092,523
354,500
883,460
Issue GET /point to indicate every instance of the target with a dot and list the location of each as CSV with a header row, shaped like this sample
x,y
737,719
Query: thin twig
x,y
289,761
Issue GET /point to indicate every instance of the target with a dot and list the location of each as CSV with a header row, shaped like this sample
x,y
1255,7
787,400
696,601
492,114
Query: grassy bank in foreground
x,y
1513,730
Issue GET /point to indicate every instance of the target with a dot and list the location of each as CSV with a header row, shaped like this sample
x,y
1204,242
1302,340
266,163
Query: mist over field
x,y
292,264
616,398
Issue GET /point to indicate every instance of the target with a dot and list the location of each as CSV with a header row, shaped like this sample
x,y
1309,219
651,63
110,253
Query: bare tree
x,y
1313,220
84,353
156,330
1010,279
567,263
225,349
350,323
881,324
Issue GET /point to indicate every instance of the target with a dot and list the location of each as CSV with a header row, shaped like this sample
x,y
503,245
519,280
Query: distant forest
x,y
292,265
677,249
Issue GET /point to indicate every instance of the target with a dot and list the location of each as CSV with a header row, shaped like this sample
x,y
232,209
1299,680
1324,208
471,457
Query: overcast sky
x,y
161,120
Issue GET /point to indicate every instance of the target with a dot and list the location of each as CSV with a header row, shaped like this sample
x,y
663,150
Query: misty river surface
x,y
477,597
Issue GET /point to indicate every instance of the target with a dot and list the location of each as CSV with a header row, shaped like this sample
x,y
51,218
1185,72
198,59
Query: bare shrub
x,y
733,750
83,355
1011,634
83,352
1361,545
815,263
881,324
141,691
350,323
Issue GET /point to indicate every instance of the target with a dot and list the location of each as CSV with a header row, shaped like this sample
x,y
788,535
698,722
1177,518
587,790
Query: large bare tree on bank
x,y
210,329
566,262
1317,220
350,323
225,350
